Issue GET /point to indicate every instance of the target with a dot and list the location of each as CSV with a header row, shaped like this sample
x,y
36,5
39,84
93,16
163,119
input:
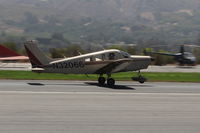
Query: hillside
x,y
99,9
102,21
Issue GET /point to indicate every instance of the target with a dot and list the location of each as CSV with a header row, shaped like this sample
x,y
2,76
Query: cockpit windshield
x,y
125,54
186,54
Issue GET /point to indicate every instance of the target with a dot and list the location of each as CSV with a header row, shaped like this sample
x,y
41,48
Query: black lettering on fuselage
x,y
65,65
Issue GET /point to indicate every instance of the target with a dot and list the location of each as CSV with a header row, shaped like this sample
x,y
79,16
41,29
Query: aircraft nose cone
x,y
194,59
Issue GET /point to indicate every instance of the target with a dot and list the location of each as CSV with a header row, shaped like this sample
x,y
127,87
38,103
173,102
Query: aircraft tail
x,y
36,57
5,52
182,49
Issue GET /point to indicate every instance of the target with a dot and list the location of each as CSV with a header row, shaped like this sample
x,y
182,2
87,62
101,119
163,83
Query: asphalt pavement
x,y
34,106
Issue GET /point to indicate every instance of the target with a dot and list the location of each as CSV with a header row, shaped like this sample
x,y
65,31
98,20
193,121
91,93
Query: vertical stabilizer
x,y
36,57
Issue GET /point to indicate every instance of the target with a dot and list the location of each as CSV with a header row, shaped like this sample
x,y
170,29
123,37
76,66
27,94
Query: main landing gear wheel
x,y
101,80
110,82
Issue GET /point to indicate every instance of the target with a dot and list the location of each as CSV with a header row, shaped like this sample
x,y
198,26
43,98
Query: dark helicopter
x,y
184,58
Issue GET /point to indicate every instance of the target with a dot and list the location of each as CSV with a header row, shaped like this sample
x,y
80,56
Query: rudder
x,y
36,57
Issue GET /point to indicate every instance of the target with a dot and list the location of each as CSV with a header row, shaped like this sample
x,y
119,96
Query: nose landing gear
x,y
140,78
111,81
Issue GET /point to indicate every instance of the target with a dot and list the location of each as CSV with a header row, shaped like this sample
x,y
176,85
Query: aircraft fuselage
x,y
90,64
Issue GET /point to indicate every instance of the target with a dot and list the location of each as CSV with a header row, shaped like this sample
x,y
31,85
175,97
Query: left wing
x,y
111,66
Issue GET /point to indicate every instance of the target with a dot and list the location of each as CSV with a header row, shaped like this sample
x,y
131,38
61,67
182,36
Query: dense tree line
x,y
75,49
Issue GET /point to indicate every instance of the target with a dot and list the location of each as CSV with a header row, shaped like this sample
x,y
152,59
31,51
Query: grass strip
x,y
125,76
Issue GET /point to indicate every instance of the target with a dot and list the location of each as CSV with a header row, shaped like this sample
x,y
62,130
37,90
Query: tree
x,y
31,18
60,37
52,20
69,51
196,52
55,53
131,50
10,45
73,50
198,39
119,47
162,59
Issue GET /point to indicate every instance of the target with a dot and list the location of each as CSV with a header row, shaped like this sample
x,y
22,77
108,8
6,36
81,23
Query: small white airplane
x,y
102,62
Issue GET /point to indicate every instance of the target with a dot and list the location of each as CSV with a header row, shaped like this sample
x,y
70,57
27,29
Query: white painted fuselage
x,y
91,63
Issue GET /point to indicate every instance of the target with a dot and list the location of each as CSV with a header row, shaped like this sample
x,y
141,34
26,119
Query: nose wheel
x,y
140,78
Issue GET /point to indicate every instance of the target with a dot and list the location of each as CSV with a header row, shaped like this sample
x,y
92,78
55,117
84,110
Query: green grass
x,y
160,77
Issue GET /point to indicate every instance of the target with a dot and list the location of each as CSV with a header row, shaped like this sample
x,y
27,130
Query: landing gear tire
x,y
141,79
110,82
101,80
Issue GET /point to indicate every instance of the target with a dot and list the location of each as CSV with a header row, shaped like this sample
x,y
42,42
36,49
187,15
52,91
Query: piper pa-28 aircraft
x,y
102,62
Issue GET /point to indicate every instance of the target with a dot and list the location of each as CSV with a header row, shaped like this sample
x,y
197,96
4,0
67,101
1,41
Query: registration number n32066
x,y
79,64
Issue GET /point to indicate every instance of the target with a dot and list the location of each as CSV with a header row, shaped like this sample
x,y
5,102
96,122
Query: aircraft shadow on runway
x,y
86,84
36,84
61,84
117,87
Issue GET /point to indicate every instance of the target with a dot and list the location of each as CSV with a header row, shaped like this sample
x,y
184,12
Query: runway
x,y
35,106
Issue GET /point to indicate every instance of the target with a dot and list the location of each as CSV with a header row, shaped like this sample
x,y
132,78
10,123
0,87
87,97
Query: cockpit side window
x,y
111,56
125,55
103,57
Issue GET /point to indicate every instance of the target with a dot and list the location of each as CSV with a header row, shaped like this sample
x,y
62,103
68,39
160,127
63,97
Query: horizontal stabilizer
x,y
38,70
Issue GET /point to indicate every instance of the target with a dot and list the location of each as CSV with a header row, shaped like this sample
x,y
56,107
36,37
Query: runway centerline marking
x,y
99,93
